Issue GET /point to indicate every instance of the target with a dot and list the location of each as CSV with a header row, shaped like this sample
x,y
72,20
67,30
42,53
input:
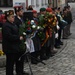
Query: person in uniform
x,y
36,41
65,30
19,16
43,47
19,21
51,51
69,19
30,7
10,44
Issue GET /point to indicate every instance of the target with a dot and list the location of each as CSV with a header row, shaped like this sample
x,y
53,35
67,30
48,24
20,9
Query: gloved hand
x,y
56,35
58,27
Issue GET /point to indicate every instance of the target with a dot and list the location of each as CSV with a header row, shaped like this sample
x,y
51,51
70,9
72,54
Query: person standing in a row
x,y
19,21
19,16
10,43
69,14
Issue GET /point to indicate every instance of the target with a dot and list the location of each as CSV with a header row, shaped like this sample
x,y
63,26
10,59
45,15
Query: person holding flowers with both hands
x,y
51,22
42,34
36,40
48,21
19,22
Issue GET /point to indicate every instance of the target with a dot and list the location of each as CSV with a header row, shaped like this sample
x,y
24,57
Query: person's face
x,y
43,12
10,18
30,6
65,11
35,15
56,10
21,13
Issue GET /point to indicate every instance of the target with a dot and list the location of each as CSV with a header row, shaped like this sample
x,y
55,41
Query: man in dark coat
x,y
19,21
69,14
36,41
19,16
43,48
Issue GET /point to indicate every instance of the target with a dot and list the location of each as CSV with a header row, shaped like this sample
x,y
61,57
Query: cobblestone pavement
x,y
63,63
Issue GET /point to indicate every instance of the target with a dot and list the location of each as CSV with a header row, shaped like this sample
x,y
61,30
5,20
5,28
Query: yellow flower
x,y
54,23
49,20
1,53
45,25
55,18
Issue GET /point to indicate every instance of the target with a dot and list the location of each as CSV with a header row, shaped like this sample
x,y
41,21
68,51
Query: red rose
x,y
36,22
28,23
28,28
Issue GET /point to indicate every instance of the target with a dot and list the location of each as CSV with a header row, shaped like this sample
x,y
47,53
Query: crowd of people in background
x,y
43,49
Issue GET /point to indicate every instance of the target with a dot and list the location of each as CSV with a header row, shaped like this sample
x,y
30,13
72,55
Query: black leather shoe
x,y
69,34
58,47
34,62
43,58
65,38
25,73
61,43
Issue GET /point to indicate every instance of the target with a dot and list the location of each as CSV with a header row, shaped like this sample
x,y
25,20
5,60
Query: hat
x,y
17,9
8,13
49,10
42,9
34,11
11,12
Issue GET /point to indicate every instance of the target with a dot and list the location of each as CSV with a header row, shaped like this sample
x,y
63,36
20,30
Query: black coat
x,y
10,35
69,16
18,21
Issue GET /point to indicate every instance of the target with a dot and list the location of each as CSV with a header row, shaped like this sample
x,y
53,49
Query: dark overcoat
x,y
10,38
18,21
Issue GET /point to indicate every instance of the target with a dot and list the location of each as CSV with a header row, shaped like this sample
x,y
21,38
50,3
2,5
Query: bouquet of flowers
x,y
47,23
50,20
27,31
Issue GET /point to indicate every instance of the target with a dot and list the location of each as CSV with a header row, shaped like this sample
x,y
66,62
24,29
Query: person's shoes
x,y
70,34
34,62
43,58
61,43
54,51
65,38
25,73
57,47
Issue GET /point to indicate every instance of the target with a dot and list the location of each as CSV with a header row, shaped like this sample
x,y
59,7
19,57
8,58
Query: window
x,y
43,2
32,3
46,2
6,3
37,3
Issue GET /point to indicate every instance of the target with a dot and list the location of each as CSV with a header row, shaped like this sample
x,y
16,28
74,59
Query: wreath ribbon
x,y
48,34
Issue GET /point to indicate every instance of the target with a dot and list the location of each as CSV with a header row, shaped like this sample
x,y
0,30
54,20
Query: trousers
x,y
11,59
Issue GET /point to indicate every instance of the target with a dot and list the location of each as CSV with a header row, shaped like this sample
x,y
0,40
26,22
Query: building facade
x,y
9,4
56,3
37,4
